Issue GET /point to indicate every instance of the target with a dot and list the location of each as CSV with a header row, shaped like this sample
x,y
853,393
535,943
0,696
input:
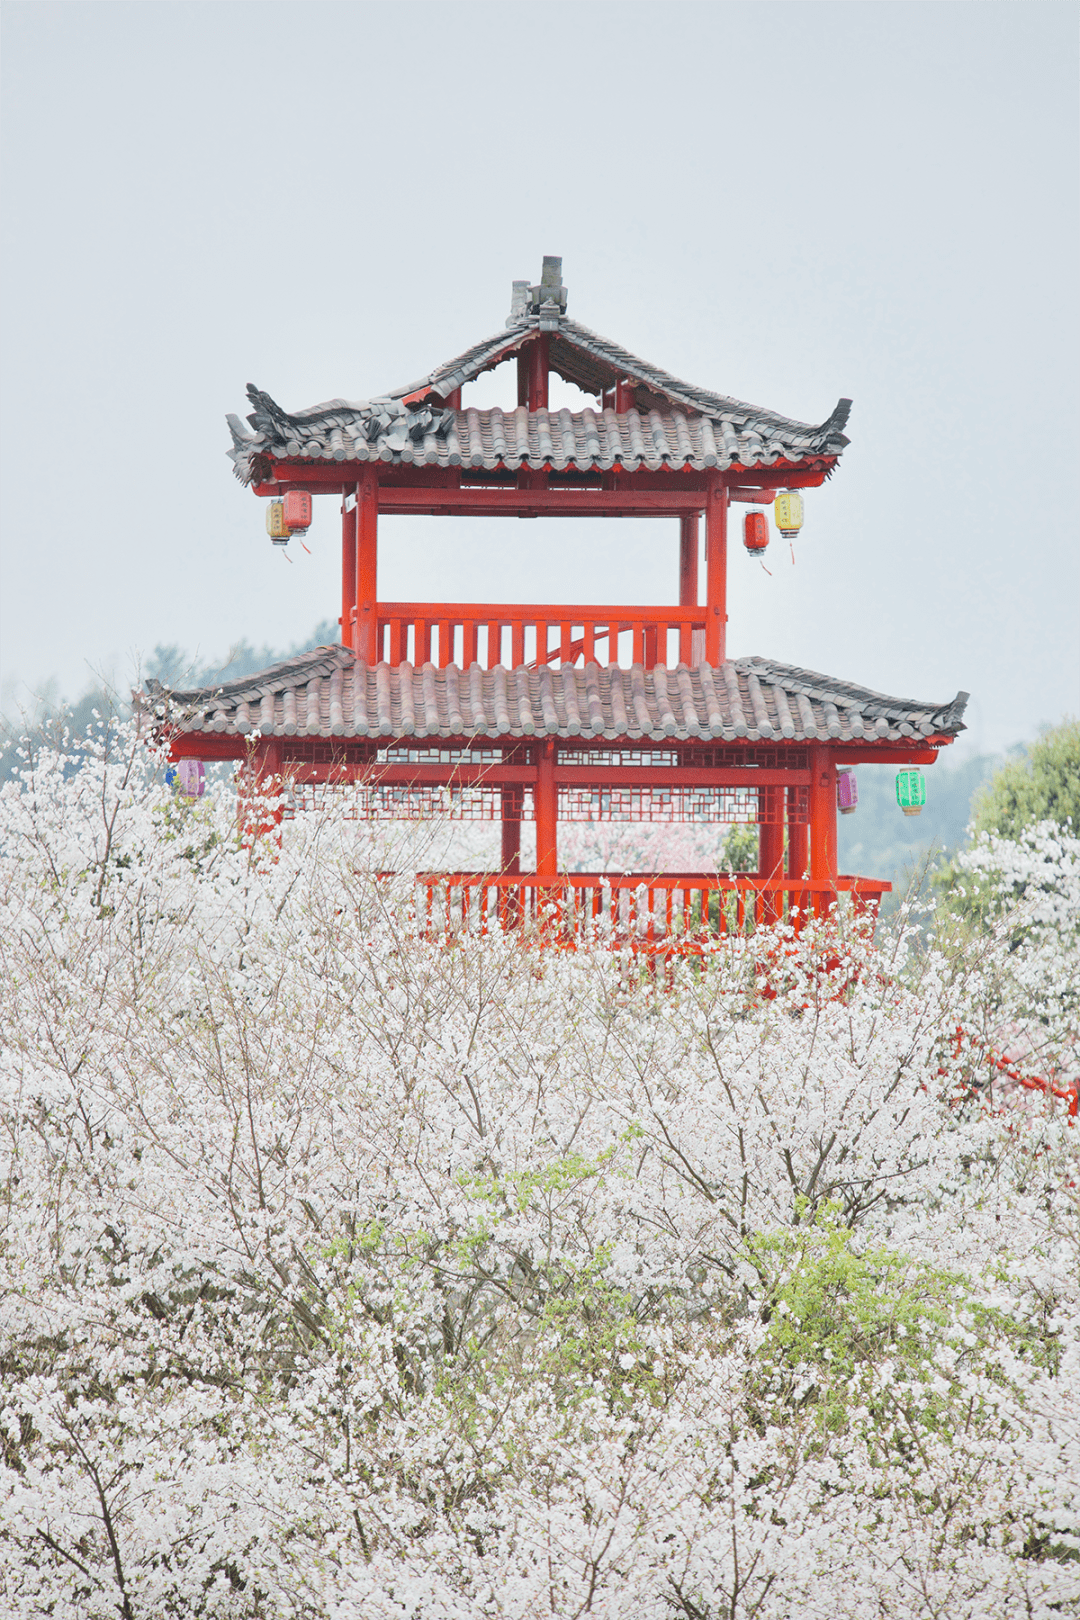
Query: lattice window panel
x,y
722,806
359,801
718,806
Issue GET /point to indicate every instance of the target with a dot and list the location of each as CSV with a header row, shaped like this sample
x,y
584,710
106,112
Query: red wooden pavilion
x,y
555,712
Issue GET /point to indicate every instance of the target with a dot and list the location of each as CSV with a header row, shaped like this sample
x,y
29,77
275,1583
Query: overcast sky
x,y
783,202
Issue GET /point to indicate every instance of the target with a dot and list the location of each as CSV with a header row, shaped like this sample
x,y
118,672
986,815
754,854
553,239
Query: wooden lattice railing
x,y
463,633
666,909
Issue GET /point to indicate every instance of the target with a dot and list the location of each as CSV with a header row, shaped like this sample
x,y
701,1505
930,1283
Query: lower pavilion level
x,y
745,742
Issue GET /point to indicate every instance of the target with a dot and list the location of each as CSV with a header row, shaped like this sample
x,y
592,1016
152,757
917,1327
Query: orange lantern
x,y
297,510
755,533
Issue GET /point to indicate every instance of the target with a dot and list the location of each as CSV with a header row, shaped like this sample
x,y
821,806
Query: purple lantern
x,y
191,778
847,791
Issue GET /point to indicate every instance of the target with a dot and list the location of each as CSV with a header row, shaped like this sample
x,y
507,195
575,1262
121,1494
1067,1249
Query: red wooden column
x,y
510,907
688,559
538,372
716,572
511,831
367,558
798,851
546,800
348,577
822,824
771,847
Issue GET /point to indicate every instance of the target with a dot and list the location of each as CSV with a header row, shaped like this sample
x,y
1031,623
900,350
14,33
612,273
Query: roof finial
x,y
519,302
548,299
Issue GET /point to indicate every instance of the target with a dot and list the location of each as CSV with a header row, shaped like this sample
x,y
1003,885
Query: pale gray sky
x,y
784,202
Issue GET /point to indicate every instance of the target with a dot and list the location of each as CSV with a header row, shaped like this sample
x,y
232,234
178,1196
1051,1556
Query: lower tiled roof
x,y
330,693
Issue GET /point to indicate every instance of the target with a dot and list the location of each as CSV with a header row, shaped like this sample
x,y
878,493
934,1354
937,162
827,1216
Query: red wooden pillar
x,y
367,555
716,572
771,848
822,824
348,577
546,800
798,850
688,559
510,907
538,372
511,831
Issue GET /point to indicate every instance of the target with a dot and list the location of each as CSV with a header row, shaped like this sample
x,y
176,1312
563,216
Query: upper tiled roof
x,y
329,693
560,440
675,423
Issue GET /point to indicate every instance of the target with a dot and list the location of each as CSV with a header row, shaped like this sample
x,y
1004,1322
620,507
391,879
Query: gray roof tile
x,y
675,424
327,693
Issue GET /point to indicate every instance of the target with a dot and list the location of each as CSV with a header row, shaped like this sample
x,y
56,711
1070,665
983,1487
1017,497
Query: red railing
x,y
464,633
669,909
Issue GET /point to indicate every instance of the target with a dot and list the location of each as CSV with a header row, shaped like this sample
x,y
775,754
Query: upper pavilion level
x,y
646,423
652,446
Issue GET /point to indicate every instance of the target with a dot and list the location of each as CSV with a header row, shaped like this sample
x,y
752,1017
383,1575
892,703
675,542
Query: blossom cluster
x,y
347,1272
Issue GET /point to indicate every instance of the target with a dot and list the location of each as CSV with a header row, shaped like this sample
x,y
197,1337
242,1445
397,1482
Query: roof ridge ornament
x,y
547,300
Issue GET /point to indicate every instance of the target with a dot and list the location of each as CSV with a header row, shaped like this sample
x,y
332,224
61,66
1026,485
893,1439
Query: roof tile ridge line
x,y
295,662
805,678
693,394
509,338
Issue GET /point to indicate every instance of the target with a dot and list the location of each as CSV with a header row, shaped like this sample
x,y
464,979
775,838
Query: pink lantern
x,y
191,778
847,791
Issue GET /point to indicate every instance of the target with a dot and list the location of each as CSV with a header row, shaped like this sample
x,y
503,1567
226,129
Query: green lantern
x,y
910,791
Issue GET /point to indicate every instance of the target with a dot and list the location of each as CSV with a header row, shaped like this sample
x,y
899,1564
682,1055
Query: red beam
x,y
539,612
339,477
551,501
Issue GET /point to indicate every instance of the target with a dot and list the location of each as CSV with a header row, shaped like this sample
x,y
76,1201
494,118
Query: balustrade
x,y
464,633
663,910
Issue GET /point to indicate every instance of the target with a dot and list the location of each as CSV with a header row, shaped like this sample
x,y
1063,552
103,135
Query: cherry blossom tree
x,y
347,1272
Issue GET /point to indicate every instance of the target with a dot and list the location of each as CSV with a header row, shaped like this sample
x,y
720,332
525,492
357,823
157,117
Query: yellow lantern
x,y
275,523
788,513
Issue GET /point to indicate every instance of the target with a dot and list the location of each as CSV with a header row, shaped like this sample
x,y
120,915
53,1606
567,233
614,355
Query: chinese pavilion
x,y
514,712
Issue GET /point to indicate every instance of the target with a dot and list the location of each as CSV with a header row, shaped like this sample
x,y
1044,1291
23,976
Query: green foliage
x,y
838,1316
1042,785
740,850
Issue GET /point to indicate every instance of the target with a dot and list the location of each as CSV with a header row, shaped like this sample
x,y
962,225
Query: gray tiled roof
x,y
329,693
519,438
675,423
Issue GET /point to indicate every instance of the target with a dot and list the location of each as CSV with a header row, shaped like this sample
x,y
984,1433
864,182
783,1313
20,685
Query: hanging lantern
x,y
275,523
788,513
755,533
297,511
191,778
910,791
188,777
847,791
